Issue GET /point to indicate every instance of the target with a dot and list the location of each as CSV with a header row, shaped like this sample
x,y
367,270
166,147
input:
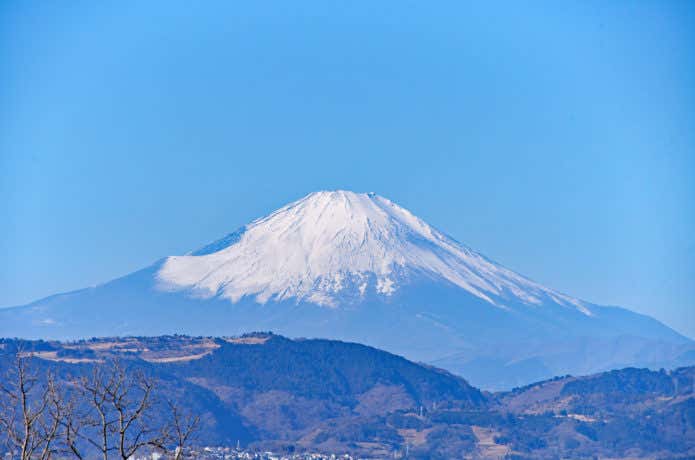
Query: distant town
x,y
230,453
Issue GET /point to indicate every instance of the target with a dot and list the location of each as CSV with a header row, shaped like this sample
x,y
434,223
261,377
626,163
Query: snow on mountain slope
x,y
327,243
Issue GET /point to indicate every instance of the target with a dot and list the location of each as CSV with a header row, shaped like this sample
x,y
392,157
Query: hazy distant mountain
x,y
359,267
268,392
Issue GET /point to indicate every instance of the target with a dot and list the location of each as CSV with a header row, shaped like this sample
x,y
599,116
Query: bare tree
x,y
183,426
51,423
122,412
73,423
30,411
99,422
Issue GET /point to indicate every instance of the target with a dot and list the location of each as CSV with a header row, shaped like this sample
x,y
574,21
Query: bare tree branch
x,y
122,406
30,410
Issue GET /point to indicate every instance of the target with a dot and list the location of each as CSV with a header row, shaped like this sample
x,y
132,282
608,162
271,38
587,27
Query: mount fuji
x,y
358,267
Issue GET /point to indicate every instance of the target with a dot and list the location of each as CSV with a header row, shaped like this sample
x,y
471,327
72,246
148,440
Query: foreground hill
x,y
360,268
269,392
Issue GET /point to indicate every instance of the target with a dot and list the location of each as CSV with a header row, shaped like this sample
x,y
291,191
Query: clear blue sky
x,y
557,138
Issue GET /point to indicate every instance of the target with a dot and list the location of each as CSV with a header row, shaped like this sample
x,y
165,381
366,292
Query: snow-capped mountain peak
x,y
335,244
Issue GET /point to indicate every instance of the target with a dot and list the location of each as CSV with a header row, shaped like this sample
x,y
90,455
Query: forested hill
x,y
323,369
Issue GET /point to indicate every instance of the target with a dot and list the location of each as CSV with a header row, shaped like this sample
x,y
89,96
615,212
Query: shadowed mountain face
x,y
269,392
358,267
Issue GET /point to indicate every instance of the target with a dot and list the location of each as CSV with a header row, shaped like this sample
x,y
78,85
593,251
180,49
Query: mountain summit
x,y
334,245
354,266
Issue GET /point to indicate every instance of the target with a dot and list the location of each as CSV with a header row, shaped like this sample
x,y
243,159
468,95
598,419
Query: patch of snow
x,y
363,288
385,286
